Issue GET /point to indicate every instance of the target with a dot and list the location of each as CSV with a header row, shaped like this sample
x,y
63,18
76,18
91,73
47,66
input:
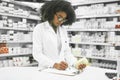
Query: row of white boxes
x,y
27,49
103,64
103,23
16,10
97,15
16,23
11,9
17,49
12,35
16,61
107,52
96,37
98,9
86,1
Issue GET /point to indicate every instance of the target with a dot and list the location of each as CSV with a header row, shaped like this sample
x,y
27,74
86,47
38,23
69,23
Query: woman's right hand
x,y
61,66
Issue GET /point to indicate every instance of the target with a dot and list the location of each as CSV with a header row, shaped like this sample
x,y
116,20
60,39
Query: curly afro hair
x,y
49,9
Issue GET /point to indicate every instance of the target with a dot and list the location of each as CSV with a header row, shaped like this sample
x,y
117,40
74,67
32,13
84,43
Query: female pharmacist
x,y
50,42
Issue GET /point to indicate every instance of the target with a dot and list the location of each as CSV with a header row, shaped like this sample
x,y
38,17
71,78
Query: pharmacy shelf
x,y
91,43
90,16
15,2
79,29
101,58
14,55
97,16
31,64
93,2
25,3
20,16
16,42
17,29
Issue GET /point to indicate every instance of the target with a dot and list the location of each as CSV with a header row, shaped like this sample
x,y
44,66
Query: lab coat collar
x,y
49,27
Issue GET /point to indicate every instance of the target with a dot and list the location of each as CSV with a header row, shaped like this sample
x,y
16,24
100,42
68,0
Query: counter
x,y
33,73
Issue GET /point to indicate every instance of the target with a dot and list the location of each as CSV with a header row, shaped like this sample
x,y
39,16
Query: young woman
x,y
50,40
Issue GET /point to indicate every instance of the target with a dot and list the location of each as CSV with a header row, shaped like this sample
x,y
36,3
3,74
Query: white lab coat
x,y
45,48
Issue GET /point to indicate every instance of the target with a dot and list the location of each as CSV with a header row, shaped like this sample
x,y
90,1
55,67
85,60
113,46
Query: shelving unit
x,y
16,42
18,16
97,25
101,58
32,64
16,29
16,25
14,55
98,16
106,30
15,2
92,43
82,3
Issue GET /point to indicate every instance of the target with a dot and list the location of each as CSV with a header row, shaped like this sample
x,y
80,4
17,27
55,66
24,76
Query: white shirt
x,y
59,40
45,46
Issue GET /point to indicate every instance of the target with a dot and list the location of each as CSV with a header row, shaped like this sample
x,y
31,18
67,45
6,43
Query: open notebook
x,y
67,72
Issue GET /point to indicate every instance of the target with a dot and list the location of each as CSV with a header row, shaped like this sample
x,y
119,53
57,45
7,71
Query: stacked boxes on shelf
x,y
16,26
96,33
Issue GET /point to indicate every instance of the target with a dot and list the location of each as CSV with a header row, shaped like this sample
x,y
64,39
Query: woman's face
x,y
59,18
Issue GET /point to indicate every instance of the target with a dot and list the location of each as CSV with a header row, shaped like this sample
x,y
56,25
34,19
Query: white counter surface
x,y
32,73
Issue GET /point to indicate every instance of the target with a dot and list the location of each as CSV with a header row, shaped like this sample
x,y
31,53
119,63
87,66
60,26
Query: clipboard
x,y
67,72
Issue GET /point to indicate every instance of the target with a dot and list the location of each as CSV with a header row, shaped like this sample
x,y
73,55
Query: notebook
x,y
67,72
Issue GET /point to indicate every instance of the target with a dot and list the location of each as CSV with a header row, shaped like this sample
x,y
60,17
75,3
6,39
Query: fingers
x,y
81,66
64,64
61,66
118,11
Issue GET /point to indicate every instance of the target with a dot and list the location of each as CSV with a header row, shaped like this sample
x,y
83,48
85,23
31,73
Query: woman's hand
x,y
81,63
61,66
81,66
118,11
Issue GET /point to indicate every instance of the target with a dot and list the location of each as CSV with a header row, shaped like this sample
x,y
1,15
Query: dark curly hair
x,y
49,9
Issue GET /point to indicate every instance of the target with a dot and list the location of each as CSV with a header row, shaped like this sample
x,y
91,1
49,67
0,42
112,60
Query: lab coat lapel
x,y
50,29
62,57
51,34
61,54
